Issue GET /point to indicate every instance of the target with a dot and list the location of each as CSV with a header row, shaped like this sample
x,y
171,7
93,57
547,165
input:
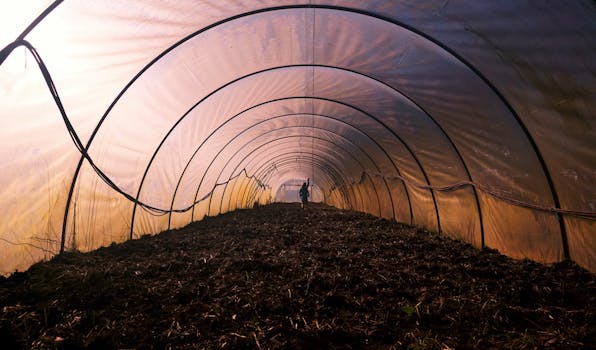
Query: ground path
x,y
280,277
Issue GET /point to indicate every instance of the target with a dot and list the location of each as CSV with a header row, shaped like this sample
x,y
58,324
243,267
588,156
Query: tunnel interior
x,y
153,115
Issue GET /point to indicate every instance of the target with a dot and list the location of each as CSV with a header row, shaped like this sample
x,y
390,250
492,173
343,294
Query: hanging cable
x,y
77,141
5,52
485,189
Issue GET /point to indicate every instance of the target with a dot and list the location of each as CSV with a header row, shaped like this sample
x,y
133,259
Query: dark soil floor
x,y
278,277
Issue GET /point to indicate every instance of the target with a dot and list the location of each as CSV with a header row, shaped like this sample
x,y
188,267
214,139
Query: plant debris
x,y
279,277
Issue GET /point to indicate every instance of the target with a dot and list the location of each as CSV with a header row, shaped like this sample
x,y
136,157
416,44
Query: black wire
x,y
159,211
77,141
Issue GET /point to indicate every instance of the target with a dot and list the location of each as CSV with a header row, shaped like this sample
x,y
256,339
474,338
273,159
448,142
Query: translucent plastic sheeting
x,y
168,95
15,19
539,55
264,137
355,155
37,162
306,153
304,161
291,111
321,137
86,229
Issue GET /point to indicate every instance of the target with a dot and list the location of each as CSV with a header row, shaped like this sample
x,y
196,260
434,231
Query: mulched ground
x,y
279,277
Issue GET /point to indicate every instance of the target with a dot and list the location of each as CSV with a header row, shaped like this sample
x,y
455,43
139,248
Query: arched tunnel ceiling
x,y
471,119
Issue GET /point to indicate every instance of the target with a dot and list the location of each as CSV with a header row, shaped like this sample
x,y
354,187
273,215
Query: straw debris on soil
x,y
278,277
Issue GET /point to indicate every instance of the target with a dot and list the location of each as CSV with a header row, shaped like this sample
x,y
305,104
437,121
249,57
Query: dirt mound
x,y
279,277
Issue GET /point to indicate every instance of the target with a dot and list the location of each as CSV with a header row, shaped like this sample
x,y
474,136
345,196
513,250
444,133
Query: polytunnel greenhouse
x,y
472,120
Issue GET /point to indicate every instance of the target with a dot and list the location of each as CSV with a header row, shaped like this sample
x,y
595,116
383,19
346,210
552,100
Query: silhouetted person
x,y
304,193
